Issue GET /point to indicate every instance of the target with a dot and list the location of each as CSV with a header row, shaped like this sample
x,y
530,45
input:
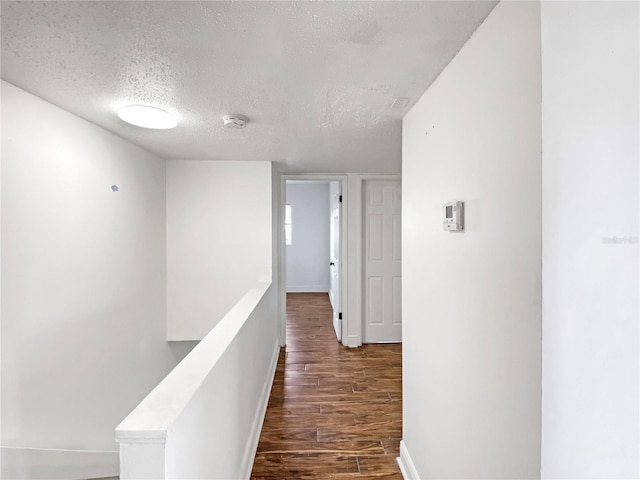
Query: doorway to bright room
x,y
313,217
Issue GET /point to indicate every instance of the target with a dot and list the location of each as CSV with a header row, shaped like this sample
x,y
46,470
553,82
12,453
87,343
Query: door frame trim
x,y
351,255
282,264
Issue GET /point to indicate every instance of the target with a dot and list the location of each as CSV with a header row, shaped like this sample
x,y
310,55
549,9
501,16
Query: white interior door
x,y
335,197
382,275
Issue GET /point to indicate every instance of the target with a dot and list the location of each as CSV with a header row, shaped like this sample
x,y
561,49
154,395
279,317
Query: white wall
x,y
472,300
204,420
218,240
308,255
217,434
83,277
590,66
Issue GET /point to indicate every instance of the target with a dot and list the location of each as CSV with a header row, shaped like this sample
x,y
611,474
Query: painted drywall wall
x,y
83,278
472,301
590,112
233,399
57,464
204,419
308,254
219,240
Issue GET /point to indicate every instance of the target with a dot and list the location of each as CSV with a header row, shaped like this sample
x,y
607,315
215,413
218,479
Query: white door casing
x,y
382,315
352,246
342,181
335,257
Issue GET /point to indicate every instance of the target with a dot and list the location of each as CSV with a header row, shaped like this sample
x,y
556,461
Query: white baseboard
x,y
57,464
307,288
256,428
405,463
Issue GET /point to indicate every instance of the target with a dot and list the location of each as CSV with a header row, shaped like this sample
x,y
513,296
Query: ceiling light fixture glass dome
x,y
147,117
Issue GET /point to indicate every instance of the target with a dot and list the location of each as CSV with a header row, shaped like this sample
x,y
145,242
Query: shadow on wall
x,y
179,350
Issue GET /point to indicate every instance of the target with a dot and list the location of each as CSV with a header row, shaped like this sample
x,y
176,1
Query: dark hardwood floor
x,y
334,412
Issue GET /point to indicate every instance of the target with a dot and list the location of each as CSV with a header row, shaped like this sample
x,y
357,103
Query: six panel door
x,y
382,287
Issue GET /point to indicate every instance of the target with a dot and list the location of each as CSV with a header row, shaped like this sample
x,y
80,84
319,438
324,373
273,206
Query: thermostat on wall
x,y
453,216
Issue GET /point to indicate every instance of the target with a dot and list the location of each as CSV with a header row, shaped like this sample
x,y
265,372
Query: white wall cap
x,y
152,418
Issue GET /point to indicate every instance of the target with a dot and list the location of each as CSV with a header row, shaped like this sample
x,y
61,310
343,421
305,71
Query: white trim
x,y
352,305
58,464
308,288
281,263
254,437
279,249
406,464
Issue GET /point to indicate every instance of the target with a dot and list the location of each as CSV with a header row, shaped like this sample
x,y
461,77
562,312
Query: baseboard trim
x,y
256,428
58,464
307,288
406,464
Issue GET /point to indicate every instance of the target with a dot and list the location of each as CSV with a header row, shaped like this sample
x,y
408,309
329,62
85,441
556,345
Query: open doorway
x,y
312,256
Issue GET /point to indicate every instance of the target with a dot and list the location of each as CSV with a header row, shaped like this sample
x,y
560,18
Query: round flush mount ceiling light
x,y
234,121
147,117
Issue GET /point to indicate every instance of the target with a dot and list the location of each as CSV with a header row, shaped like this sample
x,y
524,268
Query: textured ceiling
x,y
316,79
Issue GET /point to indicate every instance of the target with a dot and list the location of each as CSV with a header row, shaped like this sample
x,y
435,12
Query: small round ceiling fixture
x,y
147,117
234,121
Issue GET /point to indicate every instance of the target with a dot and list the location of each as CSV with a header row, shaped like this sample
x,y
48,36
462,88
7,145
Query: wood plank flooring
x,y
334,412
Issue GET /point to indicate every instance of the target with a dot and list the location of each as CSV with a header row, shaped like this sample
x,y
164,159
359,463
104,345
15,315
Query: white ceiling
x,y
315,79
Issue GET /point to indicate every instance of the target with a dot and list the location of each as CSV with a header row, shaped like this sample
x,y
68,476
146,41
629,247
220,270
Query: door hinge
x,y
340,199
340,316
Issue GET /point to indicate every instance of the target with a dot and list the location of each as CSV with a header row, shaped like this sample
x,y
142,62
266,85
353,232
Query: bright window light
x,y
147,117
287,224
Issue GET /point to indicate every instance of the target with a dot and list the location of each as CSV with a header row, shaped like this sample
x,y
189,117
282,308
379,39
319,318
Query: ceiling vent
x,y
234,121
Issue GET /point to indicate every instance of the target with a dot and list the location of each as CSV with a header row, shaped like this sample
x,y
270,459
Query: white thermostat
x,y
453,219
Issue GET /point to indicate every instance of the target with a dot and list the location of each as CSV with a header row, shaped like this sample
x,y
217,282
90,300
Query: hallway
x,y
333,412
